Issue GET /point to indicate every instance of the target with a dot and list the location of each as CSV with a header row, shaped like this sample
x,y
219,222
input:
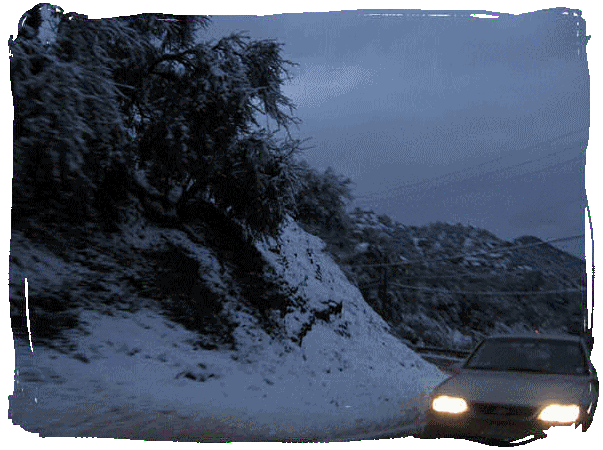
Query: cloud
x,y
318,84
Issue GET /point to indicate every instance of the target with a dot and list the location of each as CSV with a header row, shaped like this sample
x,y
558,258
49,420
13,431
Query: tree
x,y
141,92
259,181
31,21
199,134
323,199
68,122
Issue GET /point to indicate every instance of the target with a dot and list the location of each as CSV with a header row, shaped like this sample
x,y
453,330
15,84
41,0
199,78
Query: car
x,y
515,386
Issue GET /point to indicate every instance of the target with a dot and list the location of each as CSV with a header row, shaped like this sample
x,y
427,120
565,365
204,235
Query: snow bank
x,y
139,375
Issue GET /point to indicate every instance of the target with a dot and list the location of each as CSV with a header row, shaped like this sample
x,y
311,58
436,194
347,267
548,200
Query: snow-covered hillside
x,y
332,369
450,285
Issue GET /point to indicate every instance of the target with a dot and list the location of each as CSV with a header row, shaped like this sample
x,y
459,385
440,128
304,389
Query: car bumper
x,y
500,428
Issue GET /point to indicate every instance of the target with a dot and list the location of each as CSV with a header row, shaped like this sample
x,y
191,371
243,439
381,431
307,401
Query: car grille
x,y
489,409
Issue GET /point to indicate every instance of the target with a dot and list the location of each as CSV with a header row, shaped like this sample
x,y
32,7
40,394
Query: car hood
x,y
517,388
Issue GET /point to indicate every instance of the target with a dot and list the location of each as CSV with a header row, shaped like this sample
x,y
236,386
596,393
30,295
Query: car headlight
x,y
560,413
453,405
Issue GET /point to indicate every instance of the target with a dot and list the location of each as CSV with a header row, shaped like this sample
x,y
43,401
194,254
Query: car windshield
x,y
529,355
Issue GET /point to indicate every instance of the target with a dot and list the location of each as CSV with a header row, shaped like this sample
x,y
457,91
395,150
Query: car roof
x,y
537,336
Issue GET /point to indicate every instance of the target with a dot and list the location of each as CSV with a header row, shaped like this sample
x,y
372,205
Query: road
x,y
399,430
32,406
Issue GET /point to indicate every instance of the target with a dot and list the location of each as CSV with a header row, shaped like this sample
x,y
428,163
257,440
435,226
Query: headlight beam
x,y
560,413
446,404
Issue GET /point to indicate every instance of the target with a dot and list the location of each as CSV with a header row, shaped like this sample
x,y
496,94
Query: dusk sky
x,y
398,100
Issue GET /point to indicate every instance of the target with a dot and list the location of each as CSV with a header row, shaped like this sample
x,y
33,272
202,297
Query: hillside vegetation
x,y
457,283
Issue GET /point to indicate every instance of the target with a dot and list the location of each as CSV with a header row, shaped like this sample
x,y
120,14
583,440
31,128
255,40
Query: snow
x,y
361,247
459,340
348,376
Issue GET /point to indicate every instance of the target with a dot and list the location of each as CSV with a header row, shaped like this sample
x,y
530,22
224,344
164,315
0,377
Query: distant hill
x,y
450,276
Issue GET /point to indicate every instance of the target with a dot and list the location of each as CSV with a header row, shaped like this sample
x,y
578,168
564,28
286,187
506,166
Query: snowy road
x,y
144,422
138,398
383,431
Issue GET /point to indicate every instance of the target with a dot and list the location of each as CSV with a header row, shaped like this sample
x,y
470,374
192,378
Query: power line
x,y
467,169
457,189
442,291
527,172
480,175
466,275
463,255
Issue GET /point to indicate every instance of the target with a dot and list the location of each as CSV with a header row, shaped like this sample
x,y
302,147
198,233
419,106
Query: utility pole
x,y
383,285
